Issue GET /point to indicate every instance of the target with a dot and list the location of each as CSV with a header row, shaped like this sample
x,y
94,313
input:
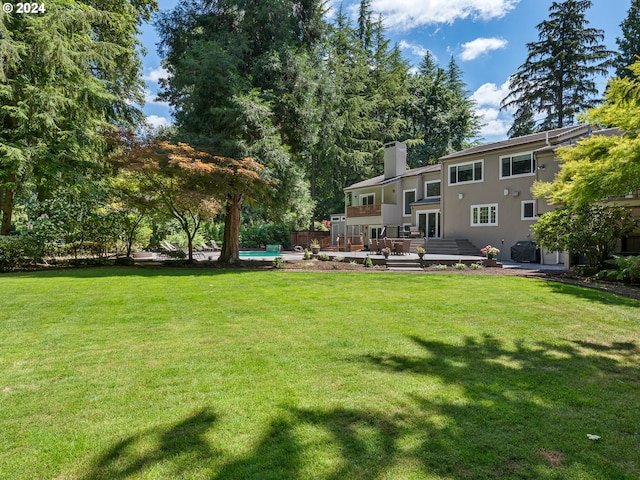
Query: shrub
x,y
278,262
324,257
460,266
627,270
439,266
590,230
338,259
19,251
368,263
307,254
265,234
476,266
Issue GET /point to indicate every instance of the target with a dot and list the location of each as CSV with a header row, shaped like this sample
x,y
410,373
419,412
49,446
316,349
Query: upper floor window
x,y
367,199
432,189
466,172
409,198
515,165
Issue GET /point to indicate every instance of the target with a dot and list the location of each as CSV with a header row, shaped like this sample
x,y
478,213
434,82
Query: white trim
x,y
506,177
535,210
438,214
458,165
362,195
425,189
489,223
404,200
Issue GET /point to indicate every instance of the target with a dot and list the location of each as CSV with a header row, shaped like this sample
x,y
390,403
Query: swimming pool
x,y
260,254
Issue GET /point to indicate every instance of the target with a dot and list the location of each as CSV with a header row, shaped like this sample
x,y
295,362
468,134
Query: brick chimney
x,y
395,159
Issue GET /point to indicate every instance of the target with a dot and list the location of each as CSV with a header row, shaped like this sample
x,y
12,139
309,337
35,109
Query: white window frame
x,y
533,165
429,183
458,165
535,210
404,201
367,195
489,223
372,228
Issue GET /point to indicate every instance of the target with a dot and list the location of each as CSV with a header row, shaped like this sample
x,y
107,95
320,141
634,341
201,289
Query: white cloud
x,y
490,94
418,50
480,46
495,122
156,74
408,14
152,99
155,121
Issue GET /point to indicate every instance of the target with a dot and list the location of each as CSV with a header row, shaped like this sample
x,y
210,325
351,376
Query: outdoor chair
x,y
403,247
215,246
388,243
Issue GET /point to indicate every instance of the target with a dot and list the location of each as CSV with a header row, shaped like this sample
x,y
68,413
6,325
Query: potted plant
x,y
386,251
490,251
421,251
315,247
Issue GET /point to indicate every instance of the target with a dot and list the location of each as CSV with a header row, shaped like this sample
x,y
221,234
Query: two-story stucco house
x,y
481,195
389,205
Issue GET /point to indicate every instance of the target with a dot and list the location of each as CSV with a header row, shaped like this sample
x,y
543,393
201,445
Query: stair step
x,y
451,247
403,265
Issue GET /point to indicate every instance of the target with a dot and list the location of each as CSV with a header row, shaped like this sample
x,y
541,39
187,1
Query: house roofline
x,y
551,137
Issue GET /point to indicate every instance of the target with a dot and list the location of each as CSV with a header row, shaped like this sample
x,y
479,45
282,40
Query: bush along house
x,y
476,197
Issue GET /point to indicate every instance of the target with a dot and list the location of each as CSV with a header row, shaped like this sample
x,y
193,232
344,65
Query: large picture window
x,y
517,165
466,172
484,215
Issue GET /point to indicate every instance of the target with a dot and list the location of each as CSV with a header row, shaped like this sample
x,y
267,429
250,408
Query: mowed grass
x,y
121,373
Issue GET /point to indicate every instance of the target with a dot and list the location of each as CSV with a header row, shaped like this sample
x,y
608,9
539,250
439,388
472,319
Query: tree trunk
x,y
190,246
231,246
312,227
7,205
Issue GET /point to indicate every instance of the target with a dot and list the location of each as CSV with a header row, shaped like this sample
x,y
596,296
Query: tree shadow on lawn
x,y
183,446
103,271
591,293
482,409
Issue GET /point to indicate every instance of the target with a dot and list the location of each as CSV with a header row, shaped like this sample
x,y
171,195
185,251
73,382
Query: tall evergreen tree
x,y
438,112
558,78
629,44
366,87
465,123
66,77
238,72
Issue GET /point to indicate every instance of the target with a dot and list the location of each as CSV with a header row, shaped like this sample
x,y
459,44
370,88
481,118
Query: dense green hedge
x,y
255,236
19,251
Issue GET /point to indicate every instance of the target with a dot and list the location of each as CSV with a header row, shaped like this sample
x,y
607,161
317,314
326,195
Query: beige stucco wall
x,y
508,194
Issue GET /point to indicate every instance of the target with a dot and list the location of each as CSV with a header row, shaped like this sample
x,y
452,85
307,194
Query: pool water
x,y
260,254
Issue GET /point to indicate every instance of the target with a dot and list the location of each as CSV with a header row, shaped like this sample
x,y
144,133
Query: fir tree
x,y
67,77
629,44
438,112
557,78
239,73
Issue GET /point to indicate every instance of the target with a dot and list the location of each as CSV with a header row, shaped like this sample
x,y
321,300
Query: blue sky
x,y
487,38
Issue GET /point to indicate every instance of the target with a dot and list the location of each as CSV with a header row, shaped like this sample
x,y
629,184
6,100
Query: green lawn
x,y
114,373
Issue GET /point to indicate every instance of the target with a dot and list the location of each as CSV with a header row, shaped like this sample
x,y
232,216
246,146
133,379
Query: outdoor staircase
x,y
396,263
439,246
415,243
